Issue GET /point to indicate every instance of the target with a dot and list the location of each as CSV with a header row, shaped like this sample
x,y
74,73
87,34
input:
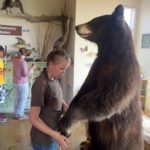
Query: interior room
x,y
39,26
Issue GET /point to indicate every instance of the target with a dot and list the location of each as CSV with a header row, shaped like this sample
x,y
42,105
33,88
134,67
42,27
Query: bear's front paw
x,y
62,127
65,133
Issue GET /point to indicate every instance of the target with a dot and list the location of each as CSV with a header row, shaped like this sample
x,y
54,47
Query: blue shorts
x,y
52,146
2,93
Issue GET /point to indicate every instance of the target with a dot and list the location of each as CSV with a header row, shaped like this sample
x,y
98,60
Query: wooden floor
x,y
147,146
14,135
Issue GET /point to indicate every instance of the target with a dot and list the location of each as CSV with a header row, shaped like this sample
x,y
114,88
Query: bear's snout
x,y
83,30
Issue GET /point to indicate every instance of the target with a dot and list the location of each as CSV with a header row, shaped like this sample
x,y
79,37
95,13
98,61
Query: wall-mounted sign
x,y
146,40
10,30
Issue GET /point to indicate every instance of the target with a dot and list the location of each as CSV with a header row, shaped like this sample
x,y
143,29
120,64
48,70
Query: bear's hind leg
x,y
86,145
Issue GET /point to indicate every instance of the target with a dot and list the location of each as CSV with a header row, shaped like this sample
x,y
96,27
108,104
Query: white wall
x,y
85,11
144,28
28,33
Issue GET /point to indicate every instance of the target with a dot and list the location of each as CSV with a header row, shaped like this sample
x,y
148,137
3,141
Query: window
x,y
129,15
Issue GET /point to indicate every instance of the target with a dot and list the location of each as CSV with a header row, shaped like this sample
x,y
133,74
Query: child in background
x,y
2,83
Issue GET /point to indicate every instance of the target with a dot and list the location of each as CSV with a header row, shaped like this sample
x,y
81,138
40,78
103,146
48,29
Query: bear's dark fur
x,y
109,98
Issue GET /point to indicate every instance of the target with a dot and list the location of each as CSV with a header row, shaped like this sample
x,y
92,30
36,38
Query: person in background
x,y
20,80
47,103
2,83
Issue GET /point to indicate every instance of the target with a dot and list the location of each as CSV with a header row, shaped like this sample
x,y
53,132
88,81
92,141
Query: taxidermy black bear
x,y
109,98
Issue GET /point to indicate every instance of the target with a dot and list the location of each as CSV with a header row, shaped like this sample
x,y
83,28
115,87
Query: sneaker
x,y
17,117
24,117
3,118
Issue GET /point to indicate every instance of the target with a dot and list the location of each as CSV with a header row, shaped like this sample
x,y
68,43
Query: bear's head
x,y
107,31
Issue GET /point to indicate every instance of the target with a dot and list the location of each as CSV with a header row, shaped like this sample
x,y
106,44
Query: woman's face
x,y
58,70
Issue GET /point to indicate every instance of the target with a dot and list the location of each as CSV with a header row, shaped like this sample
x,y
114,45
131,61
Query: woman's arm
x,y
25,71
65,106
39,124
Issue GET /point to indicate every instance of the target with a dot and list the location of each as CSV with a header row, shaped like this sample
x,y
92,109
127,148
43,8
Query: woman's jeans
x,y
52,146
22,91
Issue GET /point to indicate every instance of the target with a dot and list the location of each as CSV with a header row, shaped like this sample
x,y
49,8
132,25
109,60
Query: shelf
x,y
16,13
145,95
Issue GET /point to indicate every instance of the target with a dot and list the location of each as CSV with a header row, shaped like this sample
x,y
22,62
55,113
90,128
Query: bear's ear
x,y
119,12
